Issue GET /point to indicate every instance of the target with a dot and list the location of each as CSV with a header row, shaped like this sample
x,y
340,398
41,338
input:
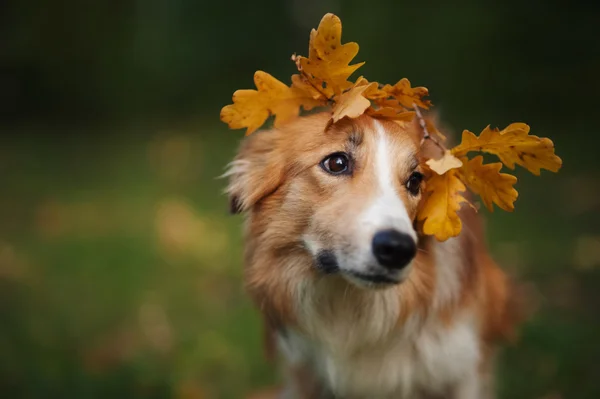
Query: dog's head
x,y
344,195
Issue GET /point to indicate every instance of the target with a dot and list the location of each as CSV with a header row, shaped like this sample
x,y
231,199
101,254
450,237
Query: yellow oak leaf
x,y
351,103
328,59
373,92
251,108
491,185
407,95
513,145
385,106
300,82
391,113
440,207
445,163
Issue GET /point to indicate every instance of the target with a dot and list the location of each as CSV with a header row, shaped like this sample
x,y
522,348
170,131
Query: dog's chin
x,y
372,281
374,277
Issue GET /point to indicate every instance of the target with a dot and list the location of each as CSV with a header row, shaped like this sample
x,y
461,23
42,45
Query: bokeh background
x,y
120,269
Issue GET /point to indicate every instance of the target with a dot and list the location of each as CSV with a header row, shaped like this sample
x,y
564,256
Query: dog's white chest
x,y
405,365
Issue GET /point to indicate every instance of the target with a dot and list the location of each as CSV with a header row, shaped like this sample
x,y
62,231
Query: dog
x,y
357,302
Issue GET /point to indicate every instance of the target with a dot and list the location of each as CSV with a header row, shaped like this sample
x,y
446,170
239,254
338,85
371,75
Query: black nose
x,y
393,249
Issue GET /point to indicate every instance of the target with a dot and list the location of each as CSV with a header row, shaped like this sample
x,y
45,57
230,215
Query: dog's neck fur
x,y
365,343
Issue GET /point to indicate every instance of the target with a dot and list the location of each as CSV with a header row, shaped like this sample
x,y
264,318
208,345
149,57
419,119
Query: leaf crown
x,y
323,80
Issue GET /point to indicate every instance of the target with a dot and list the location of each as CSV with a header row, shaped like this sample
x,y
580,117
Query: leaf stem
x,y
426,134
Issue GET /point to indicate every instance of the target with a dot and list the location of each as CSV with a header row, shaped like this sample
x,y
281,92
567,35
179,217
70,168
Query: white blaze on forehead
x,y
387,211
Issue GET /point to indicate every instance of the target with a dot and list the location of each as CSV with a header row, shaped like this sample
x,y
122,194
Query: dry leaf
x,y
491,185
391,102
512,145
251,108
441,206
373,92
324,81
392,114
328,59
407,95
445,163
300,82
351,104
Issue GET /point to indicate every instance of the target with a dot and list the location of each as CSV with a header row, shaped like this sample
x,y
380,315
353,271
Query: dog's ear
x,y
256,171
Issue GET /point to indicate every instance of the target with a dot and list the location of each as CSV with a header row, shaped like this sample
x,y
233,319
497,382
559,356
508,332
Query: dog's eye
x,y
336,164
413,185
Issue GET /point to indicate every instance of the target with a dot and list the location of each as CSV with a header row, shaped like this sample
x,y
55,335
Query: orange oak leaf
x,y
373,92
352,103
444,164
390,103
492,186
302,83
391,113
407,95
323,80
251,108
440,207
328,59
513,145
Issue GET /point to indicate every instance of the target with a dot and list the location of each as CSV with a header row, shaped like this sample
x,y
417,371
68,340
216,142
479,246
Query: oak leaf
x,y
513,145
328,61
300,82
445,163
251,108
441,205
491,185
323,80
407,95
390,113
352,103
373,92
384,106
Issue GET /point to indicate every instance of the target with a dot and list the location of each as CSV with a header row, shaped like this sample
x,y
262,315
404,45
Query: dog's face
x,y
345,195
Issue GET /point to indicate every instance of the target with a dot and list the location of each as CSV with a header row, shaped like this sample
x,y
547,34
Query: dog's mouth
x,y
373,279
326,263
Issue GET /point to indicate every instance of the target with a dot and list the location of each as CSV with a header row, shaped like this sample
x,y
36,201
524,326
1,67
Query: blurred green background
x,y
120,269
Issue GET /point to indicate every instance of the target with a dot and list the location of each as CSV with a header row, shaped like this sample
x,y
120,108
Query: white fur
x,y
354,344
352,340
387,211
